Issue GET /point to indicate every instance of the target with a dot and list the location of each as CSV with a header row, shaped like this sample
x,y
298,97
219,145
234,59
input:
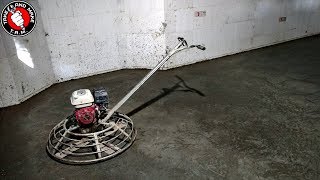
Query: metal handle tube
x,y
124,99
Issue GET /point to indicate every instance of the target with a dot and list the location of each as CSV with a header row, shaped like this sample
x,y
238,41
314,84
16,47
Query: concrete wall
x,y
25,66
79,38
234,26
8,90
88,37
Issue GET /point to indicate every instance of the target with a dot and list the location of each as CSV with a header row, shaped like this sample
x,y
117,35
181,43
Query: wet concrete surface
x,y
254,115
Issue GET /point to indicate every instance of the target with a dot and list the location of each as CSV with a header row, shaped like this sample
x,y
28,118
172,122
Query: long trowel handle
x,y
180,46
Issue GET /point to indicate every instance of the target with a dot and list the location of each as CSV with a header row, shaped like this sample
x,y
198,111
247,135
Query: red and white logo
x,y
18,18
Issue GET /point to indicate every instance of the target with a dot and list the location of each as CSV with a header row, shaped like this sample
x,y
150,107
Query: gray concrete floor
x,y
254,115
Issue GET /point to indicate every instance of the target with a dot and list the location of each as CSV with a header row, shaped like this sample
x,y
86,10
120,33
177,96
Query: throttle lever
x,y
184,42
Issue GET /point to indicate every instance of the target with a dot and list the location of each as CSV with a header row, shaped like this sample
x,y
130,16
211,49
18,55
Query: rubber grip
x,y
201,47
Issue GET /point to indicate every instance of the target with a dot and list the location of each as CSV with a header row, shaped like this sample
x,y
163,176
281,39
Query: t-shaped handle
x,y
182,45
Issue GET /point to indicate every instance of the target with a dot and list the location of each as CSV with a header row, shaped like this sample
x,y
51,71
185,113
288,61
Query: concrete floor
x,y
254,115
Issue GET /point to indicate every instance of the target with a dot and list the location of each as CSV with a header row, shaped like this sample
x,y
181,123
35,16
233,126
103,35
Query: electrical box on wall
x,y
200,13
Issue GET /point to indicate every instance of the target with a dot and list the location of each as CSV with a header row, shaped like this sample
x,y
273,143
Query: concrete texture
x,y
95,36
234,26
254,115
25,63
75,39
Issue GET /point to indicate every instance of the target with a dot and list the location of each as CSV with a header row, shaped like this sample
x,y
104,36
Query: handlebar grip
x,y
201,47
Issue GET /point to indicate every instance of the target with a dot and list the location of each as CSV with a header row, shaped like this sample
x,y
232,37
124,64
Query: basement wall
x,y
25,66
235,26
79,38
87,37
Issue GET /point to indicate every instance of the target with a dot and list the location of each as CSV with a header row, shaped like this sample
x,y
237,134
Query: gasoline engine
x,y
90,106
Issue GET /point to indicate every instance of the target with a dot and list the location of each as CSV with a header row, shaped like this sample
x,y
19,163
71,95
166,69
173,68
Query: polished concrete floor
x,y
254,115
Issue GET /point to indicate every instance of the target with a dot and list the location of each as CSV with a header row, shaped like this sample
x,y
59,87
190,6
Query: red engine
x,y
86,115
90,106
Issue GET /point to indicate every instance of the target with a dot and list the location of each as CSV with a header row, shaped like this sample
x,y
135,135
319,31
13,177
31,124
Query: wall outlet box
x,y
200,13
282,19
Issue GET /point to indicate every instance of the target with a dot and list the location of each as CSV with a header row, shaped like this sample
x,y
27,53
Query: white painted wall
x,y
87,37
232,26
8,90
25,66
94,36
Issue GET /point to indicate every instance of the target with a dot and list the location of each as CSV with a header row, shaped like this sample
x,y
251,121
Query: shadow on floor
x,y
166,91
